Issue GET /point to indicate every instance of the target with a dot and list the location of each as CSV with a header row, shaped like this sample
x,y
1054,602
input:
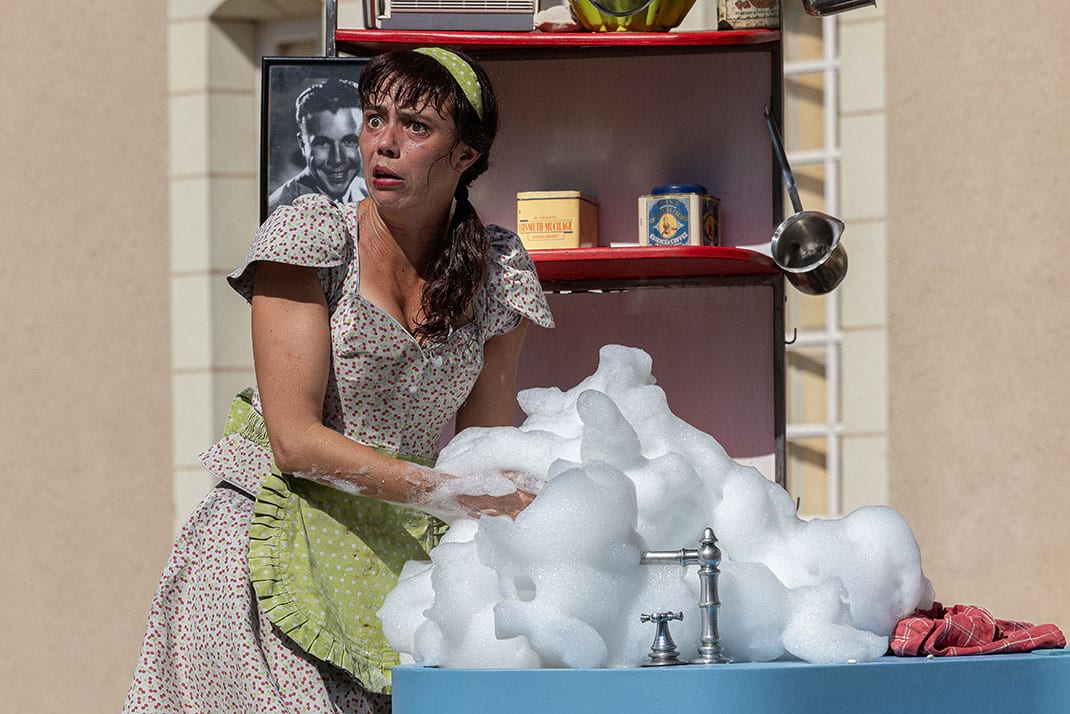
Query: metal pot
x,y
821,8
806,245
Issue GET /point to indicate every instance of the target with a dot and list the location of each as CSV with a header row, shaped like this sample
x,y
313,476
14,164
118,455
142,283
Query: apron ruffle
x,y
321,561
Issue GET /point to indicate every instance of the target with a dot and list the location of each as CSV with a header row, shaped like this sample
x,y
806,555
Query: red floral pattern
x,y
209,649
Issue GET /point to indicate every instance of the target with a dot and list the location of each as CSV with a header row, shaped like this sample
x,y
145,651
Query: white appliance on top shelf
x,y
473,15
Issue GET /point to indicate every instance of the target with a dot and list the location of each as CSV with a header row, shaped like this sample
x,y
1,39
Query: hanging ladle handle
x,y
782,158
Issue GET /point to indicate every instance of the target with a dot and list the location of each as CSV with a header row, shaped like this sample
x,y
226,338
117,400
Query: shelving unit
x,y
613,115
359,42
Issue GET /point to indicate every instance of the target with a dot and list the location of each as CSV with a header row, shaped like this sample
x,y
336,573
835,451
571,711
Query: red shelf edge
x,y
507,40
648,262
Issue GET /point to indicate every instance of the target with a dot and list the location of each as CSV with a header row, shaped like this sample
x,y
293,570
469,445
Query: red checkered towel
x,y
968,630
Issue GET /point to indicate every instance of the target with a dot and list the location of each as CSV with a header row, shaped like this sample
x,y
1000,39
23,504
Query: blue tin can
x,y
679,214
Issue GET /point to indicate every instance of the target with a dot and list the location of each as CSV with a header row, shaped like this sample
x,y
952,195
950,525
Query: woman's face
x,y
411,155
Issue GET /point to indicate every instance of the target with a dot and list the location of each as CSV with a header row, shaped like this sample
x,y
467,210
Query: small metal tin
x,y
556,219
679,214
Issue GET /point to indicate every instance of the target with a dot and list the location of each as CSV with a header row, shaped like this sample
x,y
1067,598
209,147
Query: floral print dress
x,y
210,646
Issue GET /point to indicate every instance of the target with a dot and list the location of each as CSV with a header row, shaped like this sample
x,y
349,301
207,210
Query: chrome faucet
x,y
707,557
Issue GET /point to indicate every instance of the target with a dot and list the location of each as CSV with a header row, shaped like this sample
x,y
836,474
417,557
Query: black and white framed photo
x,y
309,126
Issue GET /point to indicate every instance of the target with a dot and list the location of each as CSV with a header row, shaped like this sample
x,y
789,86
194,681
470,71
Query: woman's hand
x,y
447,497
508,505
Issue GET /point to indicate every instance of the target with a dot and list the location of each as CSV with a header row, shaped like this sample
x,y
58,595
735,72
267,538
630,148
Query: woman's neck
x,y
408,242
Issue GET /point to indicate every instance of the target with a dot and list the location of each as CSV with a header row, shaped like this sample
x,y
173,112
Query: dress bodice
x,y
386,389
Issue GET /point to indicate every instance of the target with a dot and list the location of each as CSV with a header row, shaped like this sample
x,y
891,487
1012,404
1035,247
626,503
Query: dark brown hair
x,y
459,266
329,95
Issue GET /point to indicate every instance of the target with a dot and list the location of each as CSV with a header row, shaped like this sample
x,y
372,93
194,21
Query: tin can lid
x,y
678,188
538,195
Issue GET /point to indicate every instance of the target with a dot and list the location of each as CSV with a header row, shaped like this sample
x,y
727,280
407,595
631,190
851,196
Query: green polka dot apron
x,y
322,561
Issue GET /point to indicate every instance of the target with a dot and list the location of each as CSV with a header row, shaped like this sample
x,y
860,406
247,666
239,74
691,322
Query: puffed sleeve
x,y
513,290
311,232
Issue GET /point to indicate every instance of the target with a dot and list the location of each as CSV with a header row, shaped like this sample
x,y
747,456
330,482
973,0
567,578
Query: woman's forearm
x,y
322,454
332,459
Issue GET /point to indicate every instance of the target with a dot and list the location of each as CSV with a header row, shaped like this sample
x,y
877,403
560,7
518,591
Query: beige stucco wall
x,y
978,322
976,142
85,510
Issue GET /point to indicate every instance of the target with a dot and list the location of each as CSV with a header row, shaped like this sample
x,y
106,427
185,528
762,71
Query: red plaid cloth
x,y
968,630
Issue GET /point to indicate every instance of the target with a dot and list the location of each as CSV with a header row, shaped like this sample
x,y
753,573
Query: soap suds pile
x,y
562,586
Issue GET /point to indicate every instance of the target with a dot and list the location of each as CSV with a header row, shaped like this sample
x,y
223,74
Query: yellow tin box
x,y
556,219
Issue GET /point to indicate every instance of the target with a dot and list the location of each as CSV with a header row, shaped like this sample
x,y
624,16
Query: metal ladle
x,y
806,245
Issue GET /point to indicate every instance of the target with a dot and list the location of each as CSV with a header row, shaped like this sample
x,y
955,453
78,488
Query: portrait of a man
x,y
312,125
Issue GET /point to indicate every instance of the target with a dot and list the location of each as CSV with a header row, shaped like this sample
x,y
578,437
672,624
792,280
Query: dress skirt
x,y
208,648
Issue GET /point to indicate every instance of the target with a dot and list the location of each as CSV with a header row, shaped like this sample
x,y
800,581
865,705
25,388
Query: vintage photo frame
x,y
285,155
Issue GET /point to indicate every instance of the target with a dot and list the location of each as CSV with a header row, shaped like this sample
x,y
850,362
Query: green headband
x,y
462,73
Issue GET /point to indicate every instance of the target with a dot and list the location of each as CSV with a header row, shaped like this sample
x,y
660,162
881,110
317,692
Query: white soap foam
x,y
617,473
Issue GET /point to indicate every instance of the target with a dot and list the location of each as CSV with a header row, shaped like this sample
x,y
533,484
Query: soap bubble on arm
x,y
487,491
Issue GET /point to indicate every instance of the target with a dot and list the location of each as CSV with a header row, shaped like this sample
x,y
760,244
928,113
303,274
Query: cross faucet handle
x,y
663,651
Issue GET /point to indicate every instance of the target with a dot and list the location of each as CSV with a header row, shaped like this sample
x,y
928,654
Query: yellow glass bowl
x,y
630,15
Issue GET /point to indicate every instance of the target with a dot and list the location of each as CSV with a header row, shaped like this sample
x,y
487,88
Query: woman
x,y
373,324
